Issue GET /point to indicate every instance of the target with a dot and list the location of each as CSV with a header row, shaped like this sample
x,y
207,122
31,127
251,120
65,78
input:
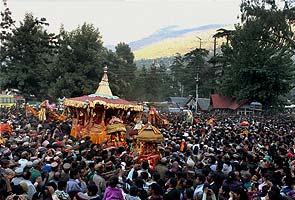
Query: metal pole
x,y
200,41
214,54
197,91
197,79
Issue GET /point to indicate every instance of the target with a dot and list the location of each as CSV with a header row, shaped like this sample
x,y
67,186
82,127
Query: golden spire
x,y
104,87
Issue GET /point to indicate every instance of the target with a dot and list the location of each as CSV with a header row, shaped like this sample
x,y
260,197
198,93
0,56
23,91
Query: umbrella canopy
x,y
149,133
255,103
113,128
244,123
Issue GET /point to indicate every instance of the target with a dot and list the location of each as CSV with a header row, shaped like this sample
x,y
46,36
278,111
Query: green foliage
x,y
26,55
185,69
79,62
153,84
124,70
257,60
6,23
123,51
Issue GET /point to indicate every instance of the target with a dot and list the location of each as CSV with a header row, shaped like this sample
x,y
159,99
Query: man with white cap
x,y
36,170
65,173
18,176
54,168
23,161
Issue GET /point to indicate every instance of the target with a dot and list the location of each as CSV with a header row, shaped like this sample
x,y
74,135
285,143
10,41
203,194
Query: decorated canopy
x,y
103,96
107,101
149,133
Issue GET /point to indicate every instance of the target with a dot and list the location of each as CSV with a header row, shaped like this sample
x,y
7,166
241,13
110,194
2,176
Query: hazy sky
x,y
127,20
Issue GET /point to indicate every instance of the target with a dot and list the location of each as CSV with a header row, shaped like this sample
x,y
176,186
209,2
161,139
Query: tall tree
x,y
178,76
139,84
26,56
195,63
125,70
6,24
258,55
124,52
153,83
79,62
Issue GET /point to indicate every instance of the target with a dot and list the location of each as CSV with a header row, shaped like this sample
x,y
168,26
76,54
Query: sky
x,y
127,20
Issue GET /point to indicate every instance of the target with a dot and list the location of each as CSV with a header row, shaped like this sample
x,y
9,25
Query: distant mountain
x,y
169,32
170,40
181,41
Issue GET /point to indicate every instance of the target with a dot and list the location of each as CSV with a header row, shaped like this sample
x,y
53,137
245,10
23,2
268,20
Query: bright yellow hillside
x,y
182,45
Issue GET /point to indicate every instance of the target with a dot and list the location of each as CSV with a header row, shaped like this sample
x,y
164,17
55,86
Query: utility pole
x,y
197,78
197,91
200,41
214,54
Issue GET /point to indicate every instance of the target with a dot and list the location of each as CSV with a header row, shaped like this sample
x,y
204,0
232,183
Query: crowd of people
x,y
216,160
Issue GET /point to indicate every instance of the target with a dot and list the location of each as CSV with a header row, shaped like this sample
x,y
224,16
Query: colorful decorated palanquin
x,y
148,139
155,119
5,128
101,115
46,112
116,132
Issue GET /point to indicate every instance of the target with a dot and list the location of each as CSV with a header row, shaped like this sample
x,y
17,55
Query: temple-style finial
x,y
105,69
104,88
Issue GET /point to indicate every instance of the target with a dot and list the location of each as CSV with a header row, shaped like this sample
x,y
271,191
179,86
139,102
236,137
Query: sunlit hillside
x,y
182,45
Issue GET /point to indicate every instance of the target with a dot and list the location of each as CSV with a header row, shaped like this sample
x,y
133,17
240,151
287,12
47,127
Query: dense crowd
x,y
216,160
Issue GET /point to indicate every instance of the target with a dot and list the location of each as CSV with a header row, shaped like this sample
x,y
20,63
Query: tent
x,y
256,105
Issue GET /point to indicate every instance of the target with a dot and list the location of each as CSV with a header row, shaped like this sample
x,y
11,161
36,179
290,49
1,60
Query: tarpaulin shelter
x,y
91,113
256,106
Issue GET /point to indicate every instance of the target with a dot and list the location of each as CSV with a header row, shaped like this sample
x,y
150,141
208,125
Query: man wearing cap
x,y
31,188
35,170
75,184
90,172
9,173
54,169
18,176
65,174
23,161
162,168
99,180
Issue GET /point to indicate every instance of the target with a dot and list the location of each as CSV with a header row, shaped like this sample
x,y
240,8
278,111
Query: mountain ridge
x,y
172,31
169,32
170,40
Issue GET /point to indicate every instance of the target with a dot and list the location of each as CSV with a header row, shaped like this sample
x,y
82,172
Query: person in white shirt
x,y
200,180
31,188
18,176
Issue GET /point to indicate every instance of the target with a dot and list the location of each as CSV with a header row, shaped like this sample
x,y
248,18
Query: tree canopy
x,y
78,62
26,55
257,60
